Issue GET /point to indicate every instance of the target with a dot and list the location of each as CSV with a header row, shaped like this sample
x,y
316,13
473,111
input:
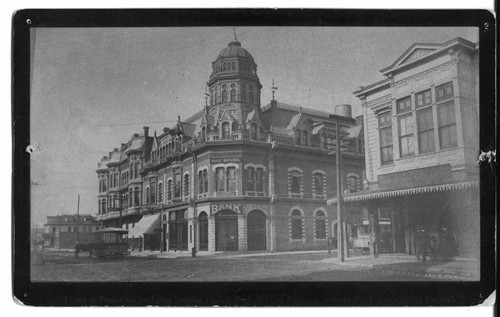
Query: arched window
x,y
153,192
224,96
253,131
200,183
186,185
304,138
160,193
244,95
296,225
234,126
233,66
224,67
318,181
203,132
220,179
259,181
233,95
250,97
353,184
231,179
137,196
147,195
225,130
205,181
295,181
250,179
297,137
320,224
169,190
212,98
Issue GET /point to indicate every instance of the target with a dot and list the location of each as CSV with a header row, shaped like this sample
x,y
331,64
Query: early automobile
x,y
105,242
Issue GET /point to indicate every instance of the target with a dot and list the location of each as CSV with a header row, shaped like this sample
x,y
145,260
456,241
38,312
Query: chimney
x,y
146,131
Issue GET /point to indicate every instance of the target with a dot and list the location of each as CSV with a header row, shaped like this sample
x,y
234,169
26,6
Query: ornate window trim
x,y
300,194
291,221
325,218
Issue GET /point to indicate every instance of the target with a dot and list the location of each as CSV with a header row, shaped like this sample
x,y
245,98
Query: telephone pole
x,y
340,225
77,218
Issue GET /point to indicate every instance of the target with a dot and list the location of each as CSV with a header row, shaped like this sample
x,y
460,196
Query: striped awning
x,y
410,191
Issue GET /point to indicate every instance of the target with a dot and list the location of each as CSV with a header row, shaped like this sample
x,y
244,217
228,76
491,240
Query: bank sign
x,y
223,160
215,208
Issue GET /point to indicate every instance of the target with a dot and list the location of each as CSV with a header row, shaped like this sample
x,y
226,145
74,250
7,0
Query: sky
x,y
93,88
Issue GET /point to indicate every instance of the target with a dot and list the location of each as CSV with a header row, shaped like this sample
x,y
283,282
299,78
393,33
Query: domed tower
x,y
234,88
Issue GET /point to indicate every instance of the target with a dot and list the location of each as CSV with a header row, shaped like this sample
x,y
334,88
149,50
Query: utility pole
x,y
340,225
77,218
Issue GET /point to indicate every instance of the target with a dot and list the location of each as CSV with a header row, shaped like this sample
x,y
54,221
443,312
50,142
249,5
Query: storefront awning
x,y
146,225
409,191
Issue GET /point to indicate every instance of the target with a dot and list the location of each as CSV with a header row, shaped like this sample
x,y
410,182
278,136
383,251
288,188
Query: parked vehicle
x,y
106,242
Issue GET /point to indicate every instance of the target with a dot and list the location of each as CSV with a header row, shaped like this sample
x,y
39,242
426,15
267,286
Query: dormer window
x,y
225,130
253,131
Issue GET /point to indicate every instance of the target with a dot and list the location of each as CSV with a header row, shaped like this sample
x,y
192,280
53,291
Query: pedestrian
x,y
422,242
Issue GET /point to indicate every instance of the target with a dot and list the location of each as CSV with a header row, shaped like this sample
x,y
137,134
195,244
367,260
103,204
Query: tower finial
x,y
273,89
206,95
234,31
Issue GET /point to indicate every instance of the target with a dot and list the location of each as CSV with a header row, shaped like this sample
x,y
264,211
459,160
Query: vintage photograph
x,y
205,154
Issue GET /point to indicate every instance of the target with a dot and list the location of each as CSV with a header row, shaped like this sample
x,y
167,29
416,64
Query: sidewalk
x,y
402,264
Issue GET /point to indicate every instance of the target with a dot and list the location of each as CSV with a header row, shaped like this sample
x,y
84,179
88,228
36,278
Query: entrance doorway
x,y
203,223
226,231
256,231
178,233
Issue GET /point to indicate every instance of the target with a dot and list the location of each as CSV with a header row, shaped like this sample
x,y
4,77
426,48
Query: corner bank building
x,y
235,176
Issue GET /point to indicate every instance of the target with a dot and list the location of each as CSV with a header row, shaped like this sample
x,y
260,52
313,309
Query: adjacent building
x,y
235,176
421,138
61,231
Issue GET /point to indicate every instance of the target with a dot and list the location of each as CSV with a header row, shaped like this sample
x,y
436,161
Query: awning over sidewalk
x,y
146,225
410,191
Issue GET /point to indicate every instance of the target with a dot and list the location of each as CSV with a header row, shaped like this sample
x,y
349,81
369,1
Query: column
x,y
242,233
211,234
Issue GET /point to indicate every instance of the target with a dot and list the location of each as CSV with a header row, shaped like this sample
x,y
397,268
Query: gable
x,y
416,54
299,121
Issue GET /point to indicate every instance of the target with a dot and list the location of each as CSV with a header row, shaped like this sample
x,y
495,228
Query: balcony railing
x,y
280,139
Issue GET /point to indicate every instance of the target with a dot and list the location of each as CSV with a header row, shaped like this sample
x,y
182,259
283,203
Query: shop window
x,y
425,126
296,225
